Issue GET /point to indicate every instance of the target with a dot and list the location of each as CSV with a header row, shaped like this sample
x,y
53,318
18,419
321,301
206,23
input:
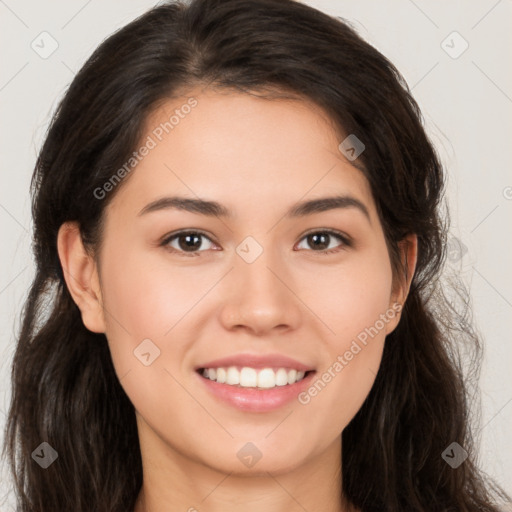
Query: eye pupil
x,y
188,245
319,240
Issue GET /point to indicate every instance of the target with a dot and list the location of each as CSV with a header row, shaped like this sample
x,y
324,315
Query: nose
x,y
260,297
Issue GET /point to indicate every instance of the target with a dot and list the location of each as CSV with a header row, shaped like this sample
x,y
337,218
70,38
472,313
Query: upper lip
x,y
257,361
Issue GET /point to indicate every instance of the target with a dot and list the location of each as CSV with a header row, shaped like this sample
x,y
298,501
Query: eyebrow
x,y
215,209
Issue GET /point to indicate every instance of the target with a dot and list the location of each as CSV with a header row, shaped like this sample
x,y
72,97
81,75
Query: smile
x,y
252,390
247,377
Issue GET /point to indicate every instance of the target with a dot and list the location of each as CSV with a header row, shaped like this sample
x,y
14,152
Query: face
x,y
286,307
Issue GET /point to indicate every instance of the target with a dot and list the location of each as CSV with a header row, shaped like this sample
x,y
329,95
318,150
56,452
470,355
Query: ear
x,y
408,248
81,276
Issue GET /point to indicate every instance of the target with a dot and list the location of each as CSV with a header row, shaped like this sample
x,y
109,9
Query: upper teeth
x,y
250,377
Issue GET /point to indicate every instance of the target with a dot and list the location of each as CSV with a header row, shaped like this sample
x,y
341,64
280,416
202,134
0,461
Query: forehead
x,y
236,147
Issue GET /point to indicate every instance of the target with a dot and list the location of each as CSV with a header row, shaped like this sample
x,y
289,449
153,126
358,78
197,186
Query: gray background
x,y
466,101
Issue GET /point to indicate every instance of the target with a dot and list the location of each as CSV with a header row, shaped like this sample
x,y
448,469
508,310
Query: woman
x,y
238,238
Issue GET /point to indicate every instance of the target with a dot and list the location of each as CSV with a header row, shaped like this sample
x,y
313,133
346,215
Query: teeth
x,y
251,378
232,376
281,377
292,376
248,378
221,375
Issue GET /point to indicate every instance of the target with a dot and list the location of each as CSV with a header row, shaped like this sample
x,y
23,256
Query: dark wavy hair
x,y
64,387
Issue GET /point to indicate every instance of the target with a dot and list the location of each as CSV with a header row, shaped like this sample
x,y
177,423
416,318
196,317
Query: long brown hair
x,y
64,388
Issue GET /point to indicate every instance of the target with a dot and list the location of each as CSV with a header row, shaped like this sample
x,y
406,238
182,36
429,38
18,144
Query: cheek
x,y
351,297
357,308
148,298
141,302
147,295
144,299
364,316
365,299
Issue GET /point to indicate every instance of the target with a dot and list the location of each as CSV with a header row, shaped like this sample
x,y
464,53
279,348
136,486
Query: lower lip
x,y
255,399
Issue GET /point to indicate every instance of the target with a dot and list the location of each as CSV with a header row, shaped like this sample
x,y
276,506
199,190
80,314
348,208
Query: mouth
x,y
258,378
254,383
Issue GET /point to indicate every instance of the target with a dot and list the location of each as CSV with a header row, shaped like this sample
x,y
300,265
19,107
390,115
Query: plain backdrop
x,y
455,56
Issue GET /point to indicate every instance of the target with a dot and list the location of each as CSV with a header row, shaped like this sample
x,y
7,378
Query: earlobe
x,y
81,276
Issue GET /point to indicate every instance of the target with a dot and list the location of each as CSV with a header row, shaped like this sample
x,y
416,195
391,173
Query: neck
x,y
175,482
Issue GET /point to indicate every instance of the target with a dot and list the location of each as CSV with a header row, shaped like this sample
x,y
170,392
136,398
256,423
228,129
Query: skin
x,y
258,158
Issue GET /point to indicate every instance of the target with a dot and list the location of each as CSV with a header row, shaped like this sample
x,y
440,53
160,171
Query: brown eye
x,y
322,241
187,242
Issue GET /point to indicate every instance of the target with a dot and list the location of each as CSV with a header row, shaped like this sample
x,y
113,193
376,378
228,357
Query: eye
x,y
191,243
186,243
321,241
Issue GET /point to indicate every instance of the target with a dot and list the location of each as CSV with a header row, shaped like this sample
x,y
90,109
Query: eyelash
x,y
345,240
